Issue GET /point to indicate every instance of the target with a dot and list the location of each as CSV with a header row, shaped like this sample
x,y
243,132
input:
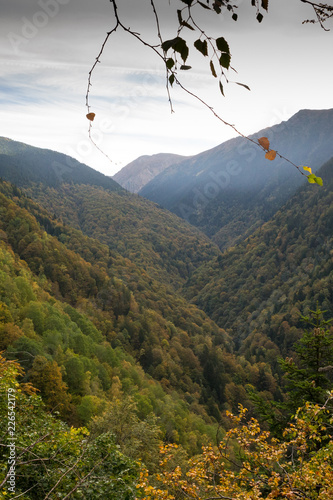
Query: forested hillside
x,y
131,322
106,326
158,241
259,289
166,247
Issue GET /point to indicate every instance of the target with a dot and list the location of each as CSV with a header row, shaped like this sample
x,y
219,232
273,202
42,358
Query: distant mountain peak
x,y
139,172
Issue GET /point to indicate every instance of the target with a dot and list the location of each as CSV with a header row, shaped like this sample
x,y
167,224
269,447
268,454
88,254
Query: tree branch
x,y
324,11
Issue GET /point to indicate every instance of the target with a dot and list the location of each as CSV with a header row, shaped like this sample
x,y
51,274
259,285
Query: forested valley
x,y
146,361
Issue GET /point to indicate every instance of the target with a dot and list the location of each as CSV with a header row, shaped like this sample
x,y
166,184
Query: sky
x,y
47,48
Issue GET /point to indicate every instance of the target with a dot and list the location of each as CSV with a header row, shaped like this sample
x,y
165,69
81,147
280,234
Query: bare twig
x,y
164,53
86,476
67,471
323,13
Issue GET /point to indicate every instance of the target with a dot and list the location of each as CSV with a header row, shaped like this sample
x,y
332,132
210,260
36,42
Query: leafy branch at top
x,y
175,52
323,13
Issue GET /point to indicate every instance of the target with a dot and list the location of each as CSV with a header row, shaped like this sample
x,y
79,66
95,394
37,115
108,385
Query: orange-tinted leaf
x,y
264,142
270,155
91,116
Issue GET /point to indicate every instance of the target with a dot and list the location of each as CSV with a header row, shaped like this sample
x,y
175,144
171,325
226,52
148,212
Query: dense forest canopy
x,y
132,344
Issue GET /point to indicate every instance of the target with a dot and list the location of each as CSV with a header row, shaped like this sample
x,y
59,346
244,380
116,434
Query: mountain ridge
x,y
135,175
23,164
231,189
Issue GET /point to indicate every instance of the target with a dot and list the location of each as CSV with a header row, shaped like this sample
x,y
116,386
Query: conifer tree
x,y
310,375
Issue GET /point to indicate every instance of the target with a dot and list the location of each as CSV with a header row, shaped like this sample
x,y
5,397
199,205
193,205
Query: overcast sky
x,y
47,48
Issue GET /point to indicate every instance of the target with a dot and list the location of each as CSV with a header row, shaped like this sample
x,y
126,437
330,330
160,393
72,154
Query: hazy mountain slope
x,y
139,172
264,284
23,164
230,190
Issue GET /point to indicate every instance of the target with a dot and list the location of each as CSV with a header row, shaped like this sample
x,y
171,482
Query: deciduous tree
x,y
248,463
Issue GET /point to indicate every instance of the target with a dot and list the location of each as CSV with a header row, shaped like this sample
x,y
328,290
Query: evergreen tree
x,y
309,376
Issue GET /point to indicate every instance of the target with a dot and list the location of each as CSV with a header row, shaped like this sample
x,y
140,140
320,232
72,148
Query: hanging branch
x,y
90,115
323,13
219,49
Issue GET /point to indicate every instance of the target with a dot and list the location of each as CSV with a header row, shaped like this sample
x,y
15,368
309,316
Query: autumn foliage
x,y
248,463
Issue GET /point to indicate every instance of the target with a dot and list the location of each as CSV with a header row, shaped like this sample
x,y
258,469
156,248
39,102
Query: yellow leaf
x,y
91,116
270,155
308,169
264,142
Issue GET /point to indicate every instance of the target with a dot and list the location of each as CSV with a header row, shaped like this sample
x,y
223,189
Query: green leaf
x,y
243,85
179,14
183,66
169,43
201,46
222,45
260,17
221,88
181,47
178,44
217,6
319,180
225,60
212,68
204,5
169,63
311,178
184,23
171,79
